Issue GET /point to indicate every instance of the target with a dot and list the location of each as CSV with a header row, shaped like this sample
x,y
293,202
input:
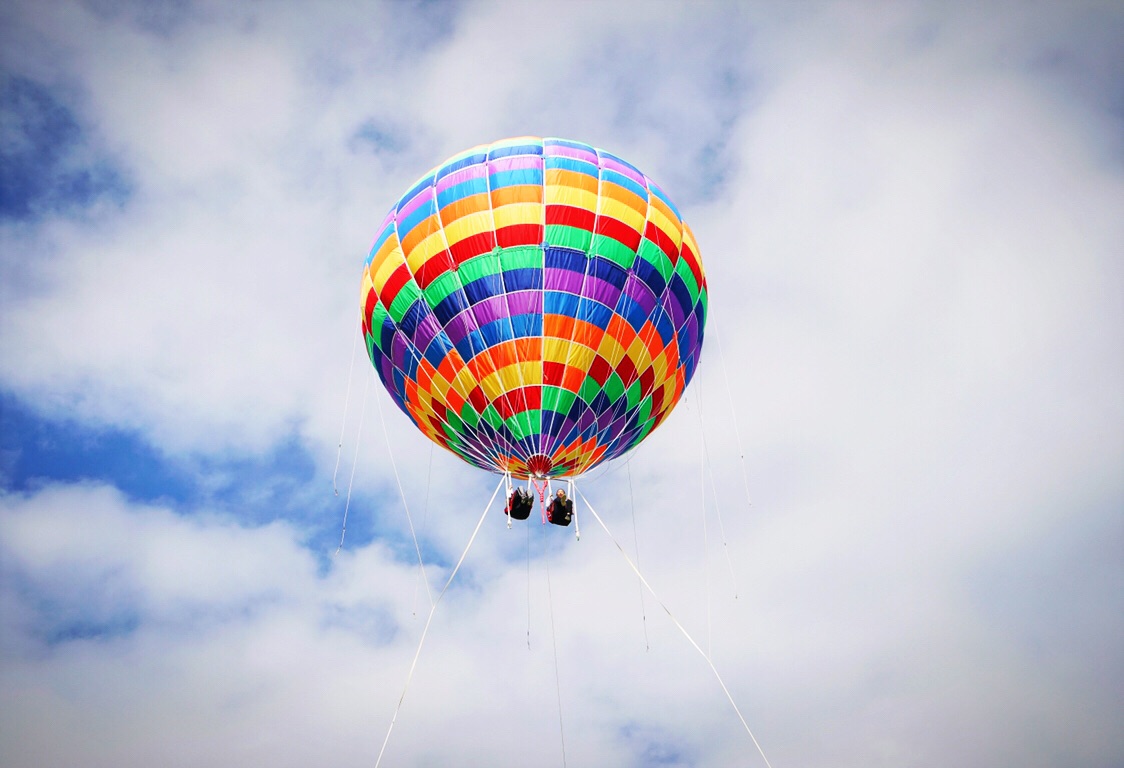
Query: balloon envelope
x,y
535,306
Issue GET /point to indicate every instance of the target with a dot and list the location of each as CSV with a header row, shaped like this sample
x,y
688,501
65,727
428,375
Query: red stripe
x,y
394,283
692,260
433,268
660,238
571,216
600,370
619,231
471,246
520,234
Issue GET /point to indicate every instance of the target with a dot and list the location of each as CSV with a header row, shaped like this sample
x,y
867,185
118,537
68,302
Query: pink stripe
x,y
574,152
424,195
623,170
515,163
469,172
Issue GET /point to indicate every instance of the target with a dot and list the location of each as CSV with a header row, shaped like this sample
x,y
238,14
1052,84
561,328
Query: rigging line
x,y
428,621
557,679
354,461
346,405
636,542
718,513
528,528
733,413
405,505
681,628
702,499
425,519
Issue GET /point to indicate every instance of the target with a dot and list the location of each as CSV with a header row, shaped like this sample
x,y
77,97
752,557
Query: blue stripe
x,y
623,181
517,177
522,149
571,164
464,189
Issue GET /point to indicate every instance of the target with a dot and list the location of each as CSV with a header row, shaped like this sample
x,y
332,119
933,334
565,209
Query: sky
x,y
889,509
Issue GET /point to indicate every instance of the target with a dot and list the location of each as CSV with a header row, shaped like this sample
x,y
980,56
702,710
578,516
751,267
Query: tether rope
x,y
346,405
354,462
402,493
557,679
733,413
636,542
681,628
428,621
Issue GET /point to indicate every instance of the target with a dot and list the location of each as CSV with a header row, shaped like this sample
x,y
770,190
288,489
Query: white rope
x,y
354,462
702,504
636,543
346,405
425,520
681,628
557,679
428,621
402,493
733,413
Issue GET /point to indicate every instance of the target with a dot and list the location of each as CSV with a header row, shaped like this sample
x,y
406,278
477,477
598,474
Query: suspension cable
x,y
346,405
681,628
636,543
428,621
354,463
405,504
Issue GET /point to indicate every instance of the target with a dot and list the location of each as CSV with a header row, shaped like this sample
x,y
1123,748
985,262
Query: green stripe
x,y
404,300
557,399
614,250
441,288
563,236
652,254
479,266
614,387
684,271
521,257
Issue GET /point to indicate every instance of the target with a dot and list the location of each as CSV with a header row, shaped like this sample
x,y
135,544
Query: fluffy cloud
x,y
909,216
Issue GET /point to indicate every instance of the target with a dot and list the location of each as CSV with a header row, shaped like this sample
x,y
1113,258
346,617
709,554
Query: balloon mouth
x,y
539,465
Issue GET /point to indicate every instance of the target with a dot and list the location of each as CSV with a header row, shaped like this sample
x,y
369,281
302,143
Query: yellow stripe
x,y
580,356
424,251
392,262
668,224
472,224
621,212
518,213
578,198
611,350
554,349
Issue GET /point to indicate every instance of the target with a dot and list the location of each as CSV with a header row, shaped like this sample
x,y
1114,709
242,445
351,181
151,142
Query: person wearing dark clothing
x,y
519,504
561,509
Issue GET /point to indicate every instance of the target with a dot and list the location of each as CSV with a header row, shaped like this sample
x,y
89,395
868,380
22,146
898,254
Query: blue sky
x,y
909,214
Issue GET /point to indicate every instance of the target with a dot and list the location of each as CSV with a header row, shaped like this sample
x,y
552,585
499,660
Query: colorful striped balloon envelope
x,y
535,306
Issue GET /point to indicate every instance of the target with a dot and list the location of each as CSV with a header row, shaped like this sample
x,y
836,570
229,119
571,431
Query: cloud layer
x,y
909,215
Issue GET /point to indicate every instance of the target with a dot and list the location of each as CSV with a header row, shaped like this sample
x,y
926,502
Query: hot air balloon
x,y
535,306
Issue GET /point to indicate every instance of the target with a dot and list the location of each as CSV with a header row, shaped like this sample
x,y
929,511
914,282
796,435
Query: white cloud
x,y
914,263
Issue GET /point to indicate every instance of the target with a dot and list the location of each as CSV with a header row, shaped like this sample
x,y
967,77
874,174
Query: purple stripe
x,y
525,302
515,163
601,290
426,332
638,291
460,326
492,308
556,279
578,154
670,305
424,195
623,170
456,177
399,351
